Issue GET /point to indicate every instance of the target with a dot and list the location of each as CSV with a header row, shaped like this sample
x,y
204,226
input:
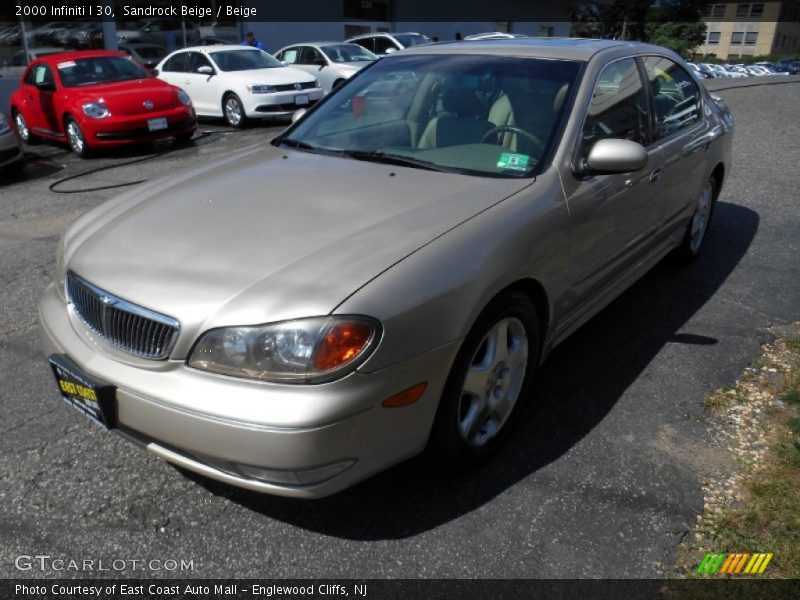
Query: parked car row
x,y
735,71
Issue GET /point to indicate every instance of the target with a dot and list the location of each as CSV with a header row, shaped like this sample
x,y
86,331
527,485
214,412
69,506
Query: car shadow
x,y
577,387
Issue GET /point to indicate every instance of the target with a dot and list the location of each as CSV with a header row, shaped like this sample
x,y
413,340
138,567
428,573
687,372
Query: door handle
x,y
655,176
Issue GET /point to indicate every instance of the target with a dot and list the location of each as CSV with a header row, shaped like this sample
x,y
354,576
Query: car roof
x,y
215,48
77,54
561,48
382,34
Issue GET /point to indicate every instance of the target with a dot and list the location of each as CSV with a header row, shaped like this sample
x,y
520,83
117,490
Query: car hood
x,y
128,97
267,234
273,76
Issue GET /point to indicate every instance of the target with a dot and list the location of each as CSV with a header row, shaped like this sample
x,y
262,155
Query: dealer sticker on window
x,y
66,64
517,162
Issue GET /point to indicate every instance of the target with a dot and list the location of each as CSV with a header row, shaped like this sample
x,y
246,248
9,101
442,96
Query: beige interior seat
x,y
528,108
462,122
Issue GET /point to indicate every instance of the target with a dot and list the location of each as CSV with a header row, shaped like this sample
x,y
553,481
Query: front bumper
x,y
279,103
224,427
125,129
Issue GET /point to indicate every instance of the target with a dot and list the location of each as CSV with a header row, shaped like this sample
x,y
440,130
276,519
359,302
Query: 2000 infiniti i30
x,y
387,274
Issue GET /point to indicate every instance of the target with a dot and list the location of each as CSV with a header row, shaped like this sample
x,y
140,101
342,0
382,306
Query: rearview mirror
x,y
615,156
298,114
205,70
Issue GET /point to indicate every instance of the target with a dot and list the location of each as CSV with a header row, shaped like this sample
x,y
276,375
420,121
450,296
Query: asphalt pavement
x,y
600,479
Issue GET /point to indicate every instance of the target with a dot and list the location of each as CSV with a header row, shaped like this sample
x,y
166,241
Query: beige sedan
x,y
384,277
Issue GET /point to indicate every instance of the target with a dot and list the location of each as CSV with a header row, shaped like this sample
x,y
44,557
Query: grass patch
x,y
764,516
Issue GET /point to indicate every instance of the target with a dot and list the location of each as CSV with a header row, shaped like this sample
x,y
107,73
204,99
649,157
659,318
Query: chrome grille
x,y
121,324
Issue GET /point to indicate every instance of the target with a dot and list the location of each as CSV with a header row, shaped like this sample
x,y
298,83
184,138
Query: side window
x,y
288,56
382,44
39,74
177,63
368,43
618,108
195,61
310,56
675,96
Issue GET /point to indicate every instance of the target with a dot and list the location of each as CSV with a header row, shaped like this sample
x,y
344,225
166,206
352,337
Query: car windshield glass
x,y
348,53
101,69
411,39
244,60
480,115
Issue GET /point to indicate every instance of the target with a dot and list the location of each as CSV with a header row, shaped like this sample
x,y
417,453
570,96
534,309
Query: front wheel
x,y
233,110
75,137
488,383
698,225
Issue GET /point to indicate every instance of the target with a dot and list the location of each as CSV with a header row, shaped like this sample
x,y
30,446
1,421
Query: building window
x,y
742,10
750,38
737,37
718,11
757,11
545,31
713,37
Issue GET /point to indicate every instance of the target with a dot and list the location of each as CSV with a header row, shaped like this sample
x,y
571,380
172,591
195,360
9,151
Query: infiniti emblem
x,y
148,104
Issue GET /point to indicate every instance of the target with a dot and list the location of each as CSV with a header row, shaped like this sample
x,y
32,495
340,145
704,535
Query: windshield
x,y
244,60
102,69
411,39
348,53
480,115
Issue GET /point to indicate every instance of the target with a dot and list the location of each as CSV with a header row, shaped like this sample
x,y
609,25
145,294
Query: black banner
x,y
404,589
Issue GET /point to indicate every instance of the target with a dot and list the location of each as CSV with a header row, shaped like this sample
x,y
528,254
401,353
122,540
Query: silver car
x,y
385,276
11,155
330,62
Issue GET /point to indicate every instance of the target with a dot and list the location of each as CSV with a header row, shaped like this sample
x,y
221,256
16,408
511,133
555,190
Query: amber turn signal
x,y
343,342
406,397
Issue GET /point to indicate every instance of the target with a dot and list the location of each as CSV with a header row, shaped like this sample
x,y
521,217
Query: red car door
x,y
38,90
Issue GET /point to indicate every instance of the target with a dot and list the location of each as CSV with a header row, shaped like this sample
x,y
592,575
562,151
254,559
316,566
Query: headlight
x,y
184,98
316,83
261,89
96,110
302,351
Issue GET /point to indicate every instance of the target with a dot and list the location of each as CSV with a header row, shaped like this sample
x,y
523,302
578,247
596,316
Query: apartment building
x,y
741,29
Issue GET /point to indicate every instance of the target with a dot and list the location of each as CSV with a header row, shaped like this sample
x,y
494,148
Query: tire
x,y
233,111
75,138
696,230
21,125
485,390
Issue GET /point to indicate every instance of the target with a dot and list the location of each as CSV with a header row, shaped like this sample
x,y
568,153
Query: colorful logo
x,y
738,563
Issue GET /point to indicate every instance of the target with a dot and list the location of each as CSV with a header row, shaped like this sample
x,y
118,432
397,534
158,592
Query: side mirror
x,y
205,70
298,114
155,72
285,63
614,156
391,49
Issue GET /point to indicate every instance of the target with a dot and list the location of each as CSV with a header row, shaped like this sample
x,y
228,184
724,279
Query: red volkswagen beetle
x,y
95,99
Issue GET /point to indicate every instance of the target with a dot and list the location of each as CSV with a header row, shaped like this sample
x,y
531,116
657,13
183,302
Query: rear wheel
x,y
75,137
698,225
184,139
488,383
233,110
23,131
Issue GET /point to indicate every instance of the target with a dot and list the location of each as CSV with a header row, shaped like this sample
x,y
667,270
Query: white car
x,y
238,82
330,62
383,44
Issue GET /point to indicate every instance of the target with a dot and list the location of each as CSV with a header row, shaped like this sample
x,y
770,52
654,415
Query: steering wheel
x,y
511,129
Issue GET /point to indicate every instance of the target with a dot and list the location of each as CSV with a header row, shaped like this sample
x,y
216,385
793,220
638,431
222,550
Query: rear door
x,y
682,134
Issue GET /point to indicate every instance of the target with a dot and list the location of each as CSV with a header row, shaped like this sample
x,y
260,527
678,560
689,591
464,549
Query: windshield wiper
x,y
396,159
300,145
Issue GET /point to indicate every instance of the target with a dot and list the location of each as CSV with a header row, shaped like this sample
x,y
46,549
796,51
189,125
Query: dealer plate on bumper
x,y
157,124
301,99
92,397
